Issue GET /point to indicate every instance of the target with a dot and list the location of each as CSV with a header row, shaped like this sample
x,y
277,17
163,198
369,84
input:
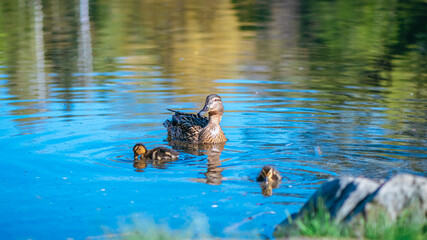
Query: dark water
x,y
314,88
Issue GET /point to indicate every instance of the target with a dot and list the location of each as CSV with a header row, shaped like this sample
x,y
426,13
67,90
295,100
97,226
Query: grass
x,y
318,224
411,224
194,226
143,227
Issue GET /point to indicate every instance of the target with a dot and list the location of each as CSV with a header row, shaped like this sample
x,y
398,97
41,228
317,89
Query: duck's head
x,y
213,105
139,149
269,175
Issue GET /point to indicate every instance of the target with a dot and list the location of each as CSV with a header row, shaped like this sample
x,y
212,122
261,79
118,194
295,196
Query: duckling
x,y
270,179
269,175
158,153
195,128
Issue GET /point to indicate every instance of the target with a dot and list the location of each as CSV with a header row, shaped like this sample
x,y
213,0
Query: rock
x,y
340,196
398,193
348,198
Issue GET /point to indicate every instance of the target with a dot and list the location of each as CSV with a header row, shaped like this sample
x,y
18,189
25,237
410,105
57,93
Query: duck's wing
x,y
186,130
260,178
185,126
162,154
277,176
182,116
193,119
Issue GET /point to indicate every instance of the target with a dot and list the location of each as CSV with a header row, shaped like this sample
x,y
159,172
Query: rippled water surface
x,y
315,88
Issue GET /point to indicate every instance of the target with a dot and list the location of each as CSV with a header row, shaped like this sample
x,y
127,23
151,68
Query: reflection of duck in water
x,y
213,174
270,179
158,155
194,128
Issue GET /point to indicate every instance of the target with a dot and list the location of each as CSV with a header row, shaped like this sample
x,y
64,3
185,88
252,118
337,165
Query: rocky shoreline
x,y
349,199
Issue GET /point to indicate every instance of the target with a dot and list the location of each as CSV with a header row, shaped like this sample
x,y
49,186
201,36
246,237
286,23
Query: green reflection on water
x,y
372,44
328,44
370,40
315,44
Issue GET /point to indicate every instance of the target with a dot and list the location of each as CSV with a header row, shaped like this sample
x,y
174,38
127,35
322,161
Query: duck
x,y
158,153
270,176
195,128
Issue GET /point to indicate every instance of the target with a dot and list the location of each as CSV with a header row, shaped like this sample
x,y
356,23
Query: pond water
x,y
315,88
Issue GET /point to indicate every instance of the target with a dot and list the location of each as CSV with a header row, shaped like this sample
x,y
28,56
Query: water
x,y
314,94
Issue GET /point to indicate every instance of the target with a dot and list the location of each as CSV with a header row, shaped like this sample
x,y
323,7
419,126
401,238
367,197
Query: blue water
x,y
68,131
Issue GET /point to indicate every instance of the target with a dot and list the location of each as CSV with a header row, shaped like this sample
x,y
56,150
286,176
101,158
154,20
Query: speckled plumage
x,y
158,153
185,126
195,128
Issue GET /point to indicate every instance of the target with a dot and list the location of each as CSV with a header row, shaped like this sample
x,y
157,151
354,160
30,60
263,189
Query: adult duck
x,y
195,128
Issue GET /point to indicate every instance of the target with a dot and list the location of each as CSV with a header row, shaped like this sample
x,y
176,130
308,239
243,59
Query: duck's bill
x,y
203,111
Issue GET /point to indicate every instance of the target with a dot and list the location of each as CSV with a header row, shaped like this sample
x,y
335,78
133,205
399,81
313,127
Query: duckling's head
x,y
269,175
139,149
213,105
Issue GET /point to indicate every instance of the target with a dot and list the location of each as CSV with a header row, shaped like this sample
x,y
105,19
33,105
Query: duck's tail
x,y
179,115
177,112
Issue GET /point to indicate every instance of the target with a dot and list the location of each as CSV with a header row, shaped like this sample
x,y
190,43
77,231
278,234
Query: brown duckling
x,y
269,175
158,153
195,128
270,179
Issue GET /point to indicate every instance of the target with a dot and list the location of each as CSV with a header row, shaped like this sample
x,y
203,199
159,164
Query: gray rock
x,y
340,196
398,193
348,198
